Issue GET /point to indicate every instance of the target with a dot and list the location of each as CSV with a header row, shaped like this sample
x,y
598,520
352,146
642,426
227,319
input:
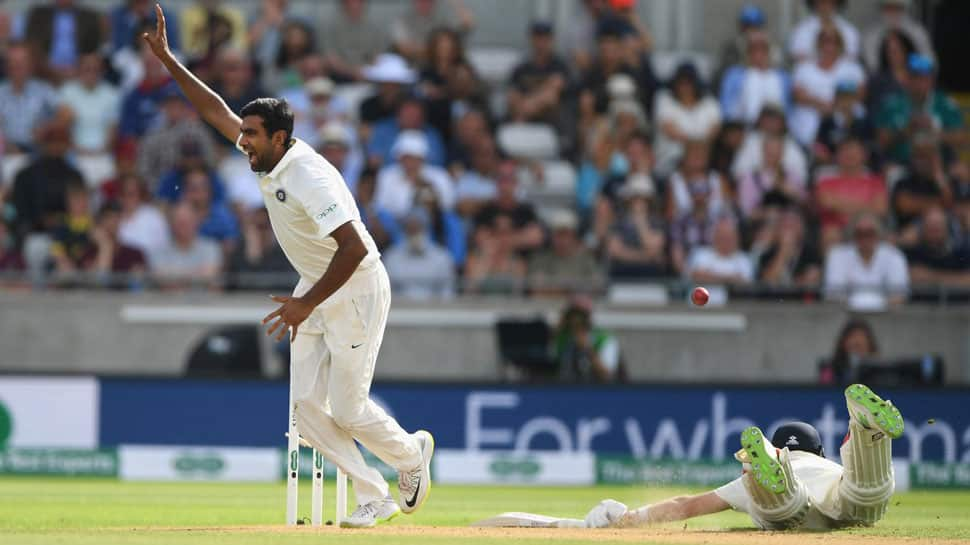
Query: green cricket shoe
x,y
873,411
765,469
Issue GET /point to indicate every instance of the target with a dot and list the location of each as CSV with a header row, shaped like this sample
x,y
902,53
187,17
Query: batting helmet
x,y
798,436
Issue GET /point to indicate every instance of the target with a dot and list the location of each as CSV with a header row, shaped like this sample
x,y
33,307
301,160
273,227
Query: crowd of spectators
x,y
830,161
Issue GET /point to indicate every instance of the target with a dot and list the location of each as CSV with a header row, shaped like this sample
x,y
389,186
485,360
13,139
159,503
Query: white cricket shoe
x,y
606,513
415,485
371,513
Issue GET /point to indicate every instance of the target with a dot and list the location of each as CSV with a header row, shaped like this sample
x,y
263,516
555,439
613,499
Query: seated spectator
x,y
141,108
539,84
25,103
410,31
217,221
855,344
638,157
868,272
279,64
494,264
398,183
142,226
792,259
181,133
448,83
747,88
130,16
352,40
336,145
234,82
725,149
311,99
922,107
527,234
265,32
188,257
770,185
583,352
893,17
924,185
392,76
938,258
39,189
71,235
410,117
108,257
847,119
445,227
683,112
380,223
566,266
636,246
749,157
470,129
694,171
419,268
477,185
692,229
814,82
607,140
825,13
258,262
172,183
58,34
91,106
735,51
722,262
890,75
209,24
848,190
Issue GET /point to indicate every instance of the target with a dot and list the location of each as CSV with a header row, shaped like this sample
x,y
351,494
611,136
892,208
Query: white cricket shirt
x,y
307,199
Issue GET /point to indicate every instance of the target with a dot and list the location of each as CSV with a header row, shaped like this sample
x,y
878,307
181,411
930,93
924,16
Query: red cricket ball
x,y
699,296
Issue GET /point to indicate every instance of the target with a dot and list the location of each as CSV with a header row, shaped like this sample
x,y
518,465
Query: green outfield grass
x,y
87,511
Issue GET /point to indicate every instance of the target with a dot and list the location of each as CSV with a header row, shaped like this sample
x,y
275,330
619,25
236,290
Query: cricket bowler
x,y
338,310
786,483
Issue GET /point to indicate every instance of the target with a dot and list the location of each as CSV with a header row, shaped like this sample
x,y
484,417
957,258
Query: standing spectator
x,y
847,119
258,262
815,80
684,112
398,183
380,223
38,194
526,233
583,352
392,76
92,106
418,267
924,186
179,137
824,14
771,121
855,344
772,184
867,271
141,107
58,34
495,265
71,235
188,257
723,262
131,16
847,191
922,107
410,118
566,266
234,82
693,171
25,103
748,87
791,259
209,24
893,17
938,258
142,225
539,84
352,40
637,246
217,221
410,31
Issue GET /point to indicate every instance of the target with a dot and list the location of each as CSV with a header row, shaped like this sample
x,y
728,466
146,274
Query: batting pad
x,y
867,478
776,511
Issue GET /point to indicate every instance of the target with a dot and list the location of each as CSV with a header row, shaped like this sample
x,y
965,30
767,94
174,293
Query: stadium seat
x,y
638,294
494,64
557,185
528,141
95,168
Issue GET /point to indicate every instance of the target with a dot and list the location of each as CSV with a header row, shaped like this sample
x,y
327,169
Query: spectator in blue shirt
x,y
410,116
140,109
218,222
25,102
172,185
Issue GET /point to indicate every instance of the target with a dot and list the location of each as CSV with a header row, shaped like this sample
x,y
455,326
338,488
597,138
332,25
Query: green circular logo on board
x,y
6,425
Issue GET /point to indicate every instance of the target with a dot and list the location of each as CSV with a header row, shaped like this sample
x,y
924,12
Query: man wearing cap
x,y
567,266
747,87
338,310
335,145
893,15
398,183
538,84
392,76
921,107
734,51
847,119
419,268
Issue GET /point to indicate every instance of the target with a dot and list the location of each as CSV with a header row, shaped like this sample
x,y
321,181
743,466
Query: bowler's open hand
x,y
291,314
158,41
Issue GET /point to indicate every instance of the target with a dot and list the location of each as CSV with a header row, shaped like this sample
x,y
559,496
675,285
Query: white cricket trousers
x,y
332,365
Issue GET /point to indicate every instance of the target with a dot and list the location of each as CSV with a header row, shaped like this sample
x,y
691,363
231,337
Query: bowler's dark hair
x,y
275,113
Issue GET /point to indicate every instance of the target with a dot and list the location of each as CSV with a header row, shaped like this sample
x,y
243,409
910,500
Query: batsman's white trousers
x,y
332,361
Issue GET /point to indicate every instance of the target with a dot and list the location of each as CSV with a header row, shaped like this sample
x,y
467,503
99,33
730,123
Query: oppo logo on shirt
x,y
326,212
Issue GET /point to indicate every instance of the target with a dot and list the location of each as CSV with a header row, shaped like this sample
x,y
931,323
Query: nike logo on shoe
x,y
414,499
355,345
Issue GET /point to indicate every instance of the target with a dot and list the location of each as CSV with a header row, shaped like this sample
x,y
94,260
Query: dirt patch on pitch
x,y
685,537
